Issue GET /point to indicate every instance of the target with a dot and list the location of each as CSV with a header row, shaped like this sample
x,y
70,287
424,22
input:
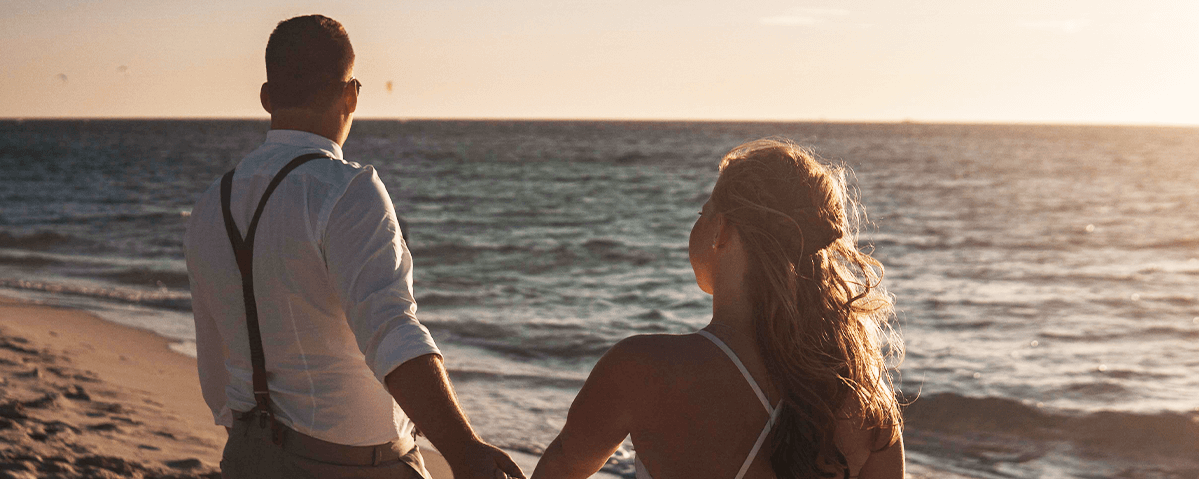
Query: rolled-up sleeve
x,y
372,271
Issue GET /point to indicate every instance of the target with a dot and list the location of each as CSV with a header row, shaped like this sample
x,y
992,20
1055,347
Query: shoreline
x,y
101,396
83,396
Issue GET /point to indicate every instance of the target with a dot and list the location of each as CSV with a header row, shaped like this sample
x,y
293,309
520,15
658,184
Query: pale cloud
x,y
803,17
1057,26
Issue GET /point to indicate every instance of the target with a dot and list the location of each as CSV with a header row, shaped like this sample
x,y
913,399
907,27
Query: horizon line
x,y
906,121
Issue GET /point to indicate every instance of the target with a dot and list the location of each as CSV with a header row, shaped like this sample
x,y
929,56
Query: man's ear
x,y
350,97
264,96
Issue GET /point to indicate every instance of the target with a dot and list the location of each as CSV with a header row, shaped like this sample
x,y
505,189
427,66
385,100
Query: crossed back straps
x,y
243,251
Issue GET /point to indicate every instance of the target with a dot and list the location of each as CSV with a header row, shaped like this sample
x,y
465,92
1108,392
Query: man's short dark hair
x,y
306,60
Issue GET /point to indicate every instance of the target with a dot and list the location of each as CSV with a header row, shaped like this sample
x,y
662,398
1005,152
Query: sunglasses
x,y
357,85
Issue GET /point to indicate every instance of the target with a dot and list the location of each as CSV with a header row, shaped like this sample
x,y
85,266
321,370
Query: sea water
x,y
1046,277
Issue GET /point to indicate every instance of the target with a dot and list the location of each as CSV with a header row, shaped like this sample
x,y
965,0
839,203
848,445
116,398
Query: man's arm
x,y
372,271
423,391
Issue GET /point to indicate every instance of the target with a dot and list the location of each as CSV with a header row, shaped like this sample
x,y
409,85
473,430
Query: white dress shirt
x,y
333,281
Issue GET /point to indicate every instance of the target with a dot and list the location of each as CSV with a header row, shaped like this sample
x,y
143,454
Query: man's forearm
x,y
422,389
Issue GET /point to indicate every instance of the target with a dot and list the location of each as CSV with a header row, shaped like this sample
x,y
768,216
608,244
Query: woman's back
x,y
697,416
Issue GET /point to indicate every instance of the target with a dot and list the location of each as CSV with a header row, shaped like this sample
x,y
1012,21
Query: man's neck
x,y
328,125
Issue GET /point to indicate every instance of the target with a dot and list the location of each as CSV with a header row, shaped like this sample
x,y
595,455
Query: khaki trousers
x,y
250,453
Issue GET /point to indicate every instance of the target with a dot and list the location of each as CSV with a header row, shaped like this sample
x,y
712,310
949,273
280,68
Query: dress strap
x,y
774,411
761,440
744,372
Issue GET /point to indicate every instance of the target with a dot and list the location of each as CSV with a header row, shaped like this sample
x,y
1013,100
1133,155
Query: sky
x,y
1058,61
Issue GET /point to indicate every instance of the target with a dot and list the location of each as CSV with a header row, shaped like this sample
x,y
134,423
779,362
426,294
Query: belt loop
x,y
377,454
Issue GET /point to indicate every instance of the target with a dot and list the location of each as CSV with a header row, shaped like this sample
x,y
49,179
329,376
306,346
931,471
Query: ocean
x,y
1046,277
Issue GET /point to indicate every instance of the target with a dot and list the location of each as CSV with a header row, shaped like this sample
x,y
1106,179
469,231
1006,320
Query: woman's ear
x,y
724,231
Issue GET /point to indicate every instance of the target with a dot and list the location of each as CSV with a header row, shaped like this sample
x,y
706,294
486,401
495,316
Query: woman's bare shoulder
x,y
649,353
628,372
636,376
657,345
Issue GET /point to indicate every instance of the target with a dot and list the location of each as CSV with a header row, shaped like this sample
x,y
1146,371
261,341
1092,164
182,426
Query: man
x,y
322,279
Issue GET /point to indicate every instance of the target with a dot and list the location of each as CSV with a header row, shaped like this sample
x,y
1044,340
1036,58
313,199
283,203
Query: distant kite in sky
x,y
388,86
62,77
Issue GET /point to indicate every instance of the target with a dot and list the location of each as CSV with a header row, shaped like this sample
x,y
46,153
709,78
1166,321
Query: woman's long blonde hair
x,y
822,319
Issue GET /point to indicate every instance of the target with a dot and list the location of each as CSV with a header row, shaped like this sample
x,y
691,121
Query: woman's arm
x,y
601,416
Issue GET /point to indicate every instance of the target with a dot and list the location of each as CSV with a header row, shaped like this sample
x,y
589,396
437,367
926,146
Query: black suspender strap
x,y
243,251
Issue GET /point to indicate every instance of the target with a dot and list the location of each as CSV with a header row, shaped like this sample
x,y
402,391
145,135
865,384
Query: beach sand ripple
x,y
59,420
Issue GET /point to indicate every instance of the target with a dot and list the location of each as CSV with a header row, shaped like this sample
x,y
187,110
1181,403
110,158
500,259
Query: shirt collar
x,y
304,139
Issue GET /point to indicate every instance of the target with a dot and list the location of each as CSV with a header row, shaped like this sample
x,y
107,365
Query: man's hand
x,y
484,461
423,391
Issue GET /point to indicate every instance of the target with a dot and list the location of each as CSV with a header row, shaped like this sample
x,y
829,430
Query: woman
x,y
788,379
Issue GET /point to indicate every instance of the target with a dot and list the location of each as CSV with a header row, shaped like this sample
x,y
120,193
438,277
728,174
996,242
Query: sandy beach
x,y
82,397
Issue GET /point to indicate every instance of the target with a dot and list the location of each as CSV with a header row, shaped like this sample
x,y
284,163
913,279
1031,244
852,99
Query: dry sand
x,y
82,397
